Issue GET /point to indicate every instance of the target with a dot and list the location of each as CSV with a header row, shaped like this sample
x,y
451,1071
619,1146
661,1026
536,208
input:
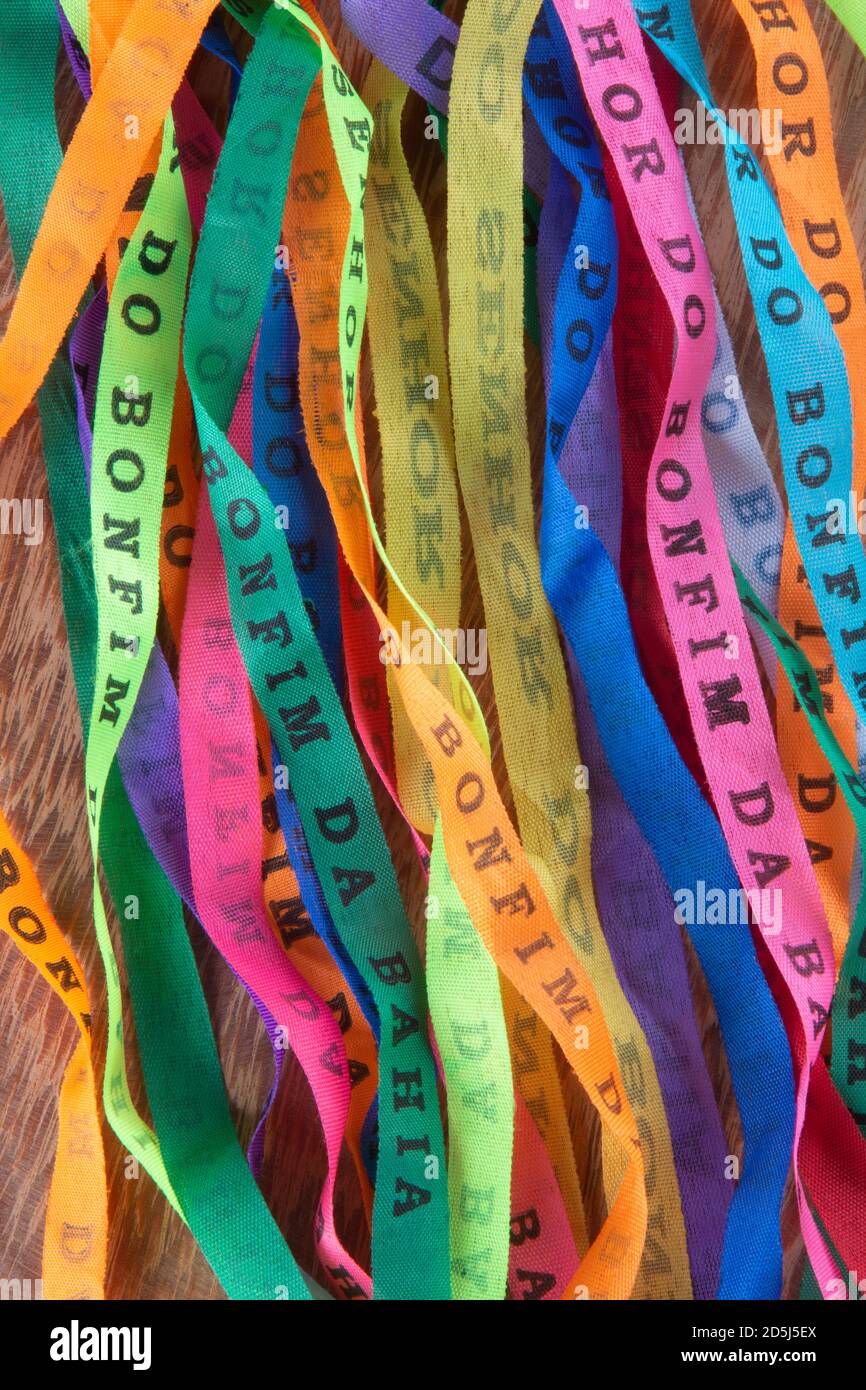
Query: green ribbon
x,y
203,1161
852,14
466,1007
286,667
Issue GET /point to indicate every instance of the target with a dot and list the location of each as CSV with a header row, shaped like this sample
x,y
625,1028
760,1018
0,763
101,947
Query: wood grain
x,y
152,1255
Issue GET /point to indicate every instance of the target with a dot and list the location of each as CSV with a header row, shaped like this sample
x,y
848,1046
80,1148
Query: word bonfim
x,y
723,907
468,646
77,1343
709,126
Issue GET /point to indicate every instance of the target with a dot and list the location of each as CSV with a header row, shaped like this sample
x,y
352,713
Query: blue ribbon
x,y
584,591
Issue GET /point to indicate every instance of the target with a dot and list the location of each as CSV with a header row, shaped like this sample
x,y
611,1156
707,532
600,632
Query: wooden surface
x,y
151,1253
